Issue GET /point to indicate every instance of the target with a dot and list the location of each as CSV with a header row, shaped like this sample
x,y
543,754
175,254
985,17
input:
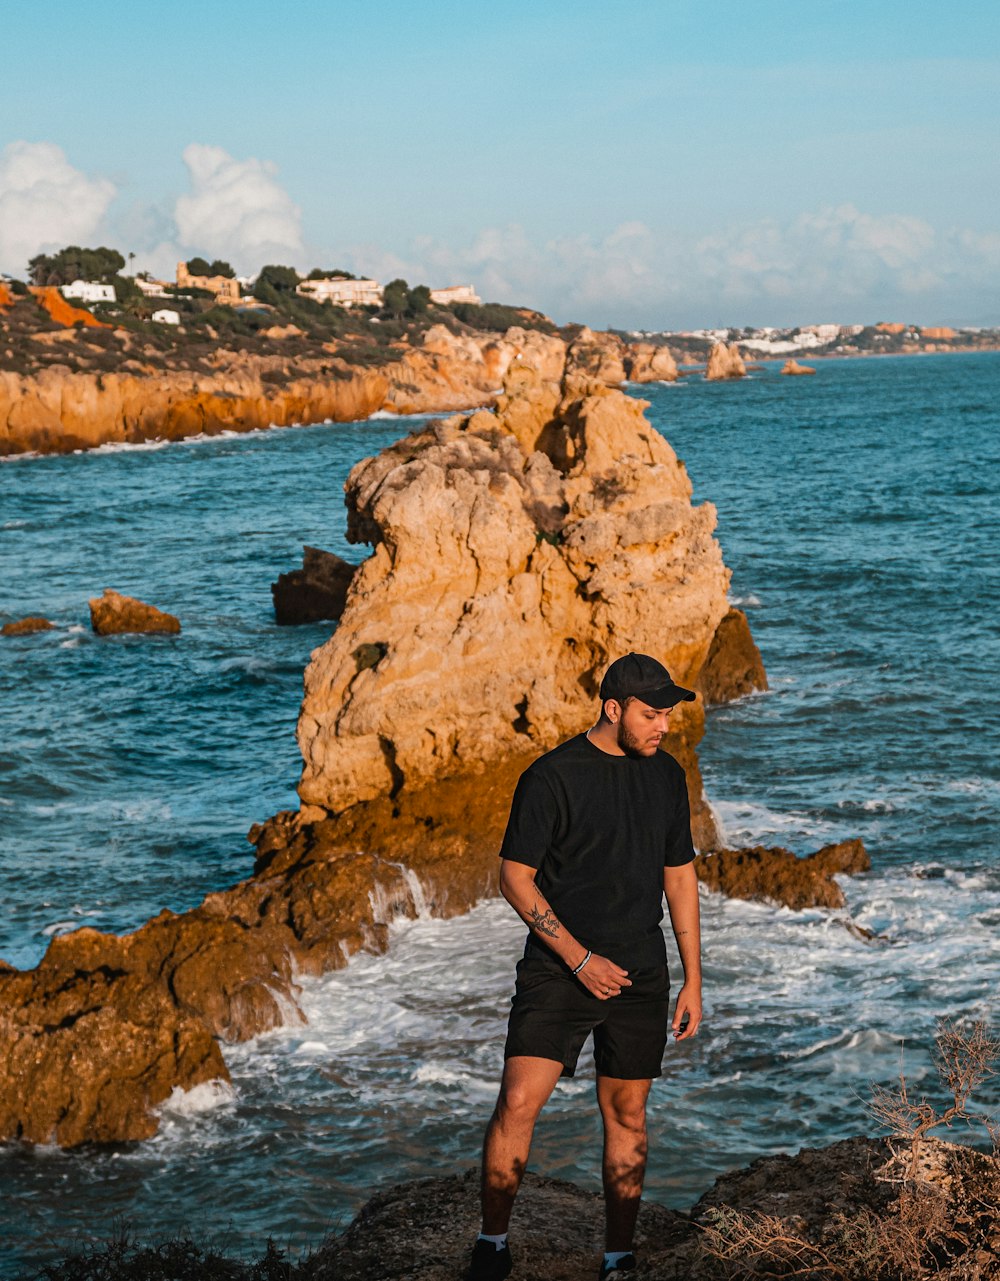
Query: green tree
x,y
335,273
76,263
220,267
282,279
419,300
199,267
396,297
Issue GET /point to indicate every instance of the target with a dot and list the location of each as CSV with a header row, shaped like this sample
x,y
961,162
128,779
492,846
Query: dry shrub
x,y
932,1211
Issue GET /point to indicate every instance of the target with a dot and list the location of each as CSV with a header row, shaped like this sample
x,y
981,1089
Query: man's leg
x,y
623,1110
524,1090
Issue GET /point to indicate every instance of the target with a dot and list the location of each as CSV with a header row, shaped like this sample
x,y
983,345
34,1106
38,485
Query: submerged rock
x,y
315,592
113,614
776,875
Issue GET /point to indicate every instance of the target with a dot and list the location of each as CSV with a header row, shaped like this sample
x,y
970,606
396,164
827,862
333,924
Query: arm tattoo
x,y
543,922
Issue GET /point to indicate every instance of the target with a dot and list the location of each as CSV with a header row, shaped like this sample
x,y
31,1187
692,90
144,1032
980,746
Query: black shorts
x,y
552,1014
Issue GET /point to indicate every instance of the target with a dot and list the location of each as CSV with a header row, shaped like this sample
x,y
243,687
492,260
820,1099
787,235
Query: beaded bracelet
x,y
583,962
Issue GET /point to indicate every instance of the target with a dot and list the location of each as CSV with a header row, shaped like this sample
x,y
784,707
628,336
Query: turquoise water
x,y
858,512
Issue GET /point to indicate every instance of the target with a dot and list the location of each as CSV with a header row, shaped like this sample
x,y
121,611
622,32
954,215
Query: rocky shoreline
x,y
847,1211
513,553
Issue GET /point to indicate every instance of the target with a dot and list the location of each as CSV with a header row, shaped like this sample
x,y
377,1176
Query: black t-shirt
x,y
600,829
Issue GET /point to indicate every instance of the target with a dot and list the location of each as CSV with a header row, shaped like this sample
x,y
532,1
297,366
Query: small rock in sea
x,y
792,366
113,614
315,592
26,627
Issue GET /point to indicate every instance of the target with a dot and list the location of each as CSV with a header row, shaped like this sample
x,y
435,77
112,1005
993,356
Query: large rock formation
x,y
515,554
56,410
724,362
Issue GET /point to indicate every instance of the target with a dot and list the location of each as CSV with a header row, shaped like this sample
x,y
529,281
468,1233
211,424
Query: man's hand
x,y
602,978
688,1007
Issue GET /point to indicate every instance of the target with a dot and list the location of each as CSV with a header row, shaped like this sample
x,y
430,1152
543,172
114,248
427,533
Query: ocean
x,y
858,512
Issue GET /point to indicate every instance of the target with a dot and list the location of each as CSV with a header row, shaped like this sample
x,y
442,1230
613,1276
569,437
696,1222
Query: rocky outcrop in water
x,y
776,875
647,362
315,592
25,627
598,357
793,368
513,554
113,614
724,363
734,666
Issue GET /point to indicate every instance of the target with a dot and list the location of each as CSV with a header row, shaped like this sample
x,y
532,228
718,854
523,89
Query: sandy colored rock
x,y
724,362
792,367
734,666
776,875
599,357
113,614
316,591
501,583
26,627
647,362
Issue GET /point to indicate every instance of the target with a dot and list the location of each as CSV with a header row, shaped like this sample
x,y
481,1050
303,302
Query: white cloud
x,y
45,203
835,262
237,211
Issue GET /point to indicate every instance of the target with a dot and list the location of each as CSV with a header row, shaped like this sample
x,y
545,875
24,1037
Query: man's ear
x,y
612,710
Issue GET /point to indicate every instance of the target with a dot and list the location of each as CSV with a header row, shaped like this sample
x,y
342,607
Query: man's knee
x,y
625,1108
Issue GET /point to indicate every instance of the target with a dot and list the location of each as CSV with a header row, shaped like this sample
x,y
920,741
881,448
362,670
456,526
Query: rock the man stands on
x,y
599,830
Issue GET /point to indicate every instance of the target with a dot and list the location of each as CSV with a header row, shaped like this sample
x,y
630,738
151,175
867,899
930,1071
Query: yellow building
x,y
226,289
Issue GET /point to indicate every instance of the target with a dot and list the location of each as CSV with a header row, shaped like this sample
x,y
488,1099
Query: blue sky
x,y
637,164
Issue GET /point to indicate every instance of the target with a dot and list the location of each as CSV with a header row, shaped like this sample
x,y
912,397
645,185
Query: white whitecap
x,y
200,1099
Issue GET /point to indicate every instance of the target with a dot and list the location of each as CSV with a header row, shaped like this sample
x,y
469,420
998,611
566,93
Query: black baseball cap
x,y
642,677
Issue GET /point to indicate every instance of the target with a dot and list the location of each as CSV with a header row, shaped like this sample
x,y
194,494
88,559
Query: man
x,y
599,830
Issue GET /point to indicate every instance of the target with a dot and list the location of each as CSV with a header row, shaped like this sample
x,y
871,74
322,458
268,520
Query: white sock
x,y
611,1257
500,1240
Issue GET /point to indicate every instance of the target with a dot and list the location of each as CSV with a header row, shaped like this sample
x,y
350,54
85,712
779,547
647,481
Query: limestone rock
x,y
724,362
647,362
596,356
316,591
503,579
113,614
776,875
25,627
734,666
792,366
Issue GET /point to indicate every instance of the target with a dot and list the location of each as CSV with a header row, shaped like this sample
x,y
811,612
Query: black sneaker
x,y
488,1263
625,1264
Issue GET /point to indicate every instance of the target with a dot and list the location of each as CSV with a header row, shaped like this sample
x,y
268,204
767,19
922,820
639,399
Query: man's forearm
x,y
680,885
535,911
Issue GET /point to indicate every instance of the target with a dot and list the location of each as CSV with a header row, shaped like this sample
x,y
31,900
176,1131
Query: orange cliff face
x,y
63,312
